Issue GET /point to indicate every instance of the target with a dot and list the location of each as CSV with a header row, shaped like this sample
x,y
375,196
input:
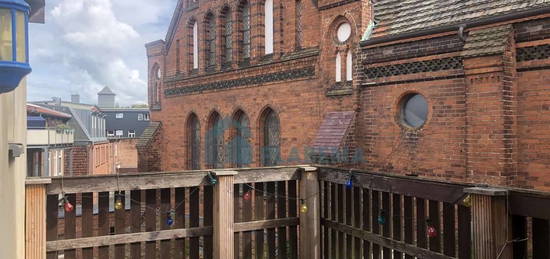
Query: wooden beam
x,y
126,238
35,221
310,224
529,204
384,241
265,224
107,183
224,216
406,185
267,175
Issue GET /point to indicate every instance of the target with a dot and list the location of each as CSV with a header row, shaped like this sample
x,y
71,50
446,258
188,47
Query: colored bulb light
x,y
431,231
118,204
349,183
246,196
303,208
68,206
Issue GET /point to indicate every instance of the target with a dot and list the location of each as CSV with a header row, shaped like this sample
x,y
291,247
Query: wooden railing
x,y
392,217
282,212
171,215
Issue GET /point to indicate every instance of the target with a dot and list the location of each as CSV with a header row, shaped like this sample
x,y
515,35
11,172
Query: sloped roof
x,y
405,16
333,132
106,90
33,108
487,41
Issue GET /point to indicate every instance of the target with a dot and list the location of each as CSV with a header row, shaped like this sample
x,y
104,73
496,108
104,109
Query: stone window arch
x,y
193,142
342,34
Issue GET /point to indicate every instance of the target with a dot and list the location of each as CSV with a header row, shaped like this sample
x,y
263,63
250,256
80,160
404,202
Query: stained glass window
x,y
193,145
271,141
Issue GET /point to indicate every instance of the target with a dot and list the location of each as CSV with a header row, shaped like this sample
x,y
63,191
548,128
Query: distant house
x,y
92,153
123,126
49,141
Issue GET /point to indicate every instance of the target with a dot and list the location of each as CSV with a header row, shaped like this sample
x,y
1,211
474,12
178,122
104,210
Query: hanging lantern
x,y
303,207
246,196
67,206
381,218
14,55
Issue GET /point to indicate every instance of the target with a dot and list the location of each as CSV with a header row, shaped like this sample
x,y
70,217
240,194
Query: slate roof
x,y
333,132
487,41
402,16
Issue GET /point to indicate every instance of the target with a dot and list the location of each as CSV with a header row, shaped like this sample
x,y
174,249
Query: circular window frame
x,y
335,25
400,113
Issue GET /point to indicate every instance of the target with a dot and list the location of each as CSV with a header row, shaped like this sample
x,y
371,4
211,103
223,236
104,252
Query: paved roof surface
x,y
487,41
402,16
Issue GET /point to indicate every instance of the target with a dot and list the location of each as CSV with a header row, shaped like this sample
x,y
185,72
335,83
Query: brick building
x,y
446,89
247,83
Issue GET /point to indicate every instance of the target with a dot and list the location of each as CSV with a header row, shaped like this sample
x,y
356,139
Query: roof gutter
x,y
447,28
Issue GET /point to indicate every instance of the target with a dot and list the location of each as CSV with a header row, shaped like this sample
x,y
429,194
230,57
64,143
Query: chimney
x,y
75,98
56,101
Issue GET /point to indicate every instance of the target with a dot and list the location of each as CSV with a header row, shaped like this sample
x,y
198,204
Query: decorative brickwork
x,y
533,53
247,81
415,67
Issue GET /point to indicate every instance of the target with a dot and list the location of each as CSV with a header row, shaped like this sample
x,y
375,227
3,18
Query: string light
x,y
430,229
381,218
67,205
349,182
246,196
212,179
303,207
467,201
170,218
118,202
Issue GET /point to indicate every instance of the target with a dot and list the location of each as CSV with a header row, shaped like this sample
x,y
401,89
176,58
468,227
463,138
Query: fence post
x,y
490,223
310,221
35,218
223,215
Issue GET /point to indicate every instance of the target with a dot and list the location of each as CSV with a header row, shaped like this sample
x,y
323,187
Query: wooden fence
x,y
282,212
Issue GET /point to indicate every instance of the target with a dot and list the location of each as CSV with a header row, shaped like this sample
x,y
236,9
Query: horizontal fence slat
x,y
385,242
126,238
143,181
410,186
267,175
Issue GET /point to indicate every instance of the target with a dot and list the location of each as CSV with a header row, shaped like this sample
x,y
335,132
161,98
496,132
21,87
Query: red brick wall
x,y
126,154
80,160
149,155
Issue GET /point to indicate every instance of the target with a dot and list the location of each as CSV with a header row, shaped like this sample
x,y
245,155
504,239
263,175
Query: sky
x,y
88,44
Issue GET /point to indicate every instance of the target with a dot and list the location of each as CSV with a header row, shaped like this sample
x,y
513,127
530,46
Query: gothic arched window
x,y
214,141
271,138
299,28
245,30
193,142
227,34
268,26
194,45
210,33
349,66
155,77
240,143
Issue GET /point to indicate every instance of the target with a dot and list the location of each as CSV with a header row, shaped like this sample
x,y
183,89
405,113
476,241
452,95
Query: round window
x,y
343,32
414,110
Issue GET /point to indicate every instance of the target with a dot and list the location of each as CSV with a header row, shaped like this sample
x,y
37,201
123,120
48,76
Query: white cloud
x,y
88,44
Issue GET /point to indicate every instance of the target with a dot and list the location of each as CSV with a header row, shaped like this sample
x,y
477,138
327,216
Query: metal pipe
x,y
447,28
